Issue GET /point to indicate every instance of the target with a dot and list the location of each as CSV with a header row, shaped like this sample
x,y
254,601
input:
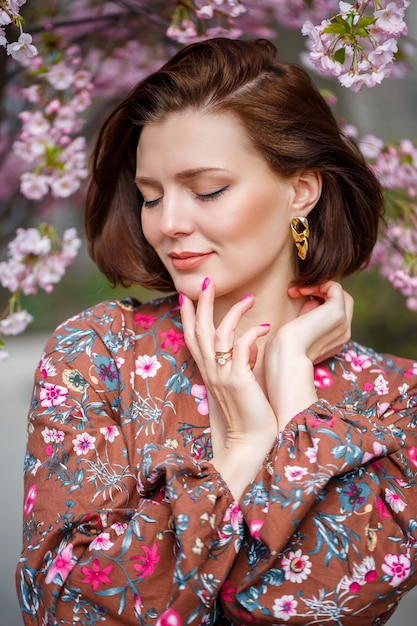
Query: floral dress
x,y
127,522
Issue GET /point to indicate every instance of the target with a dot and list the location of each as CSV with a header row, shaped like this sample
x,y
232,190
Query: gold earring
x,y
300,233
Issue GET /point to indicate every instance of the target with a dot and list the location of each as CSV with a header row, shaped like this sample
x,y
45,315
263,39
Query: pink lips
x,y
188,260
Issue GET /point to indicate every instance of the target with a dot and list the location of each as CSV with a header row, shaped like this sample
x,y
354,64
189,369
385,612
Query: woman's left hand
x,y
321,328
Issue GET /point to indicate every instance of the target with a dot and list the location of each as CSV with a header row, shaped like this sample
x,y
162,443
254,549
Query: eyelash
x,y
149,204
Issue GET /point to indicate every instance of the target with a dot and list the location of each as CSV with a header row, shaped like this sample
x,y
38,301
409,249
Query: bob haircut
x,y
289,124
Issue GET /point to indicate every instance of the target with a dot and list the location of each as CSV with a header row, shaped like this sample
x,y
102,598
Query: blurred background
x,y
381,319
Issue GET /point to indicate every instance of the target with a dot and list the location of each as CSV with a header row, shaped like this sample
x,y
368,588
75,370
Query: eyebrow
x,y
185,175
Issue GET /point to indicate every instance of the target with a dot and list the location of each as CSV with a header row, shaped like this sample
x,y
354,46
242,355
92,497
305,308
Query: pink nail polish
x,y
180,299
264,324
205,284
249,295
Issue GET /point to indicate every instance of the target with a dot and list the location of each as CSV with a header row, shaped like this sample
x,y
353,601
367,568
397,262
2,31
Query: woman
x,y
223,455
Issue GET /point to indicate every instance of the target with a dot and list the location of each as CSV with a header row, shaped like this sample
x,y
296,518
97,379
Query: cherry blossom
x,y
61,88
101,542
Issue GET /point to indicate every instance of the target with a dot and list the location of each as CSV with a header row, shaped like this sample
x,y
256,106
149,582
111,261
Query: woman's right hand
x,y
243,423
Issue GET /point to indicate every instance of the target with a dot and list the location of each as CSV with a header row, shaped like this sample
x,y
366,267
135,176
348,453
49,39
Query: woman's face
x,y
212,206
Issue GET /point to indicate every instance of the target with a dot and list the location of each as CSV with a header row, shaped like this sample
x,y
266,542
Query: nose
x,y
176,218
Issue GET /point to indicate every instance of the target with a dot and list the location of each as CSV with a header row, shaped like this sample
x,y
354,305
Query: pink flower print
x,y
255,528
49,450
322,377
144,320
95,575
30,499
52,395
365,571
382,509
412,453
234,515
367,387
169,618
359,362
110,432
119,528
285,607
227,592
83,443
381,385
294,472
394,501
101,542
200,394
45,366
62,565
296,566
398,567
137,606
172,338
311,453
147,366
147,565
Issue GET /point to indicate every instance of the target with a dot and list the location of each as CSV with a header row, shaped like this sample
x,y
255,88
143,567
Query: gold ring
x,y
223,356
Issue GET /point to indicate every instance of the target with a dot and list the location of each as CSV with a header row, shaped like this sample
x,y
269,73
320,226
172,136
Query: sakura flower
x,y
234,515
60,76
22,49
15,323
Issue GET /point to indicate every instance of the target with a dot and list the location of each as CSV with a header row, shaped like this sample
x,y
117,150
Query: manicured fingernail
x,y
205,284
180,299
249,295
264,324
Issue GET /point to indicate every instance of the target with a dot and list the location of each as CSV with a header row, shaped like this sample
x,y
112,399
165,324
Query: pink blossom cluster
x,y
396,250
293,13
201,19
38,257
396,256
23,49
49,141
358,45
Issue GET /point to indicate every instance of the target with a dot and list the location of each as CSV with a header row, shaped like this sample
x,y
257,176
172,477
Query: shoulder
x,y
113,324
360,376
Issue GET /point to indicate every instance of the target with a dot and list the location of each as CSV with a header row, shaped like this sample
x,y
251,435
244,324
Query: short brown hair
x,y
289,124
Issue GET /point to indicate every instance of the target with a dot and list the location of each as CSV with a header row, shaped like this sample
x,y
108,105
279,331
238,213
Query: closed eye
x,y
148,204
205,197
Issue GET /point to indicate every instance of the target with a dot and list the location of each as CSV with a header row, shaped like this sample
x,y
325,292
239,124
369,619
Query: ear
x,y
307,191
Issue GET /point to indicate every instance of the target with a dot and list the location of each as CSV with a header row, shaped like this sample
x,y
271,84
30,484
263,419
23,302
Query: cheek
x,y
149,227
